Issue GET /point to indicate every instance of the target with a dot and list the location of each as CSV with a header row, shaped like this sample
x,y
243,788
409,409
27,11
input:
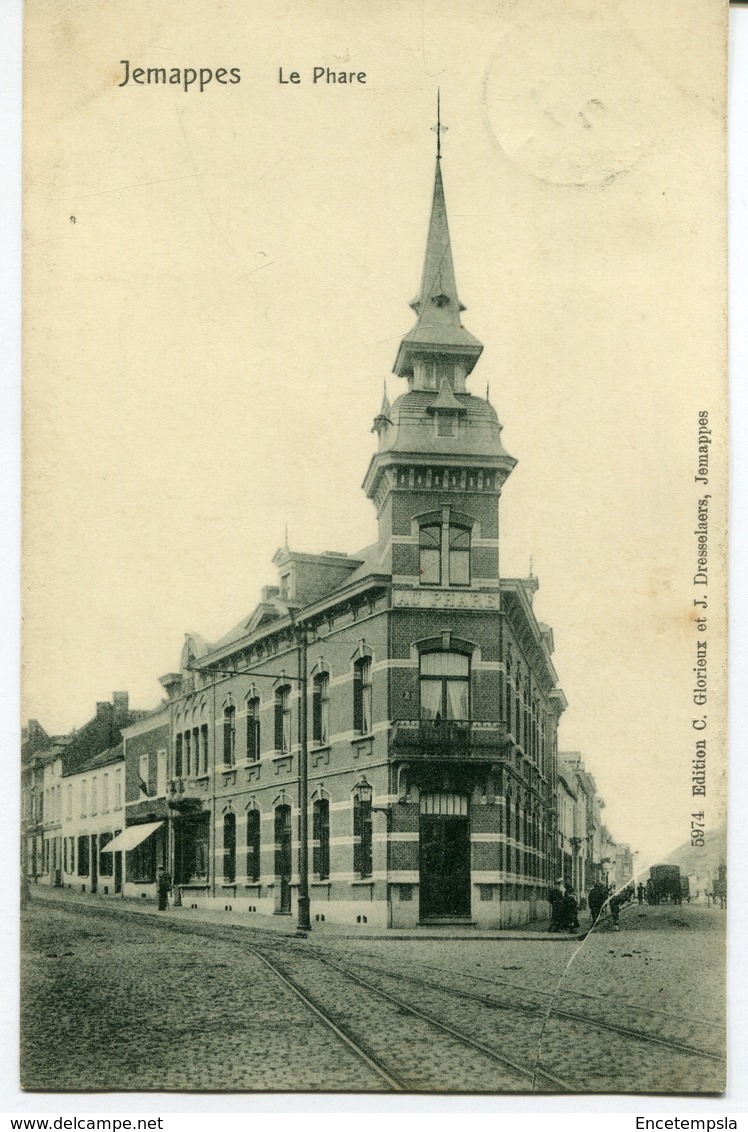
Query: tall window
x,y
204,744
70,801
94,795
84,801
143,774
321,838
445,685
188,754
283,720
105,794
106,860
118,789
83,858
321,709
430,544
196,750
253,730
178,757
362,862
444,555
229,848
229,734
160,774
362,717
459,556
253,845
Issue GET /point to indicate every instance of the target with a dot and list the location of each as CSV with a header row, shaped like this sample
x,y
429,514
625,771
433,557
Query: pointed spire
x,y
438,329
382,420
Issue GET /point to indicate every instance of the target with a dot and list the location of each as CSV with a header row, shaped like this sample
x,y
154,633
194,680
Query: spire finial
x,y
439,128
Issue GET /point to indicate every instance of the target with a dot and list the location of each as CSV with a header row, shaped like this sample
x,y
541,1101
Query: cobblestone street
x,y
115,999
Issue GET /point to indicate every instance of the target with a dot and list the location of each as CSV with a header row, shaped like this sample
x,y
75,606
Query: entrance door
x,y
94,863
283,859
444,867
117,872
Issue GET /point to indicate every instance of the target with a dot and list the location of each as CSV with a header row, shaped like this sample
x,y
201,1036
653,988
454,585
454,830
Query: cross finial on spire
x,y
439,128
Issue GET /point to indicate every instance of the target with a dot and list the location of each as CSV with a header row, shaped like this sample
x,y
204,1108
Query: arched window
x,y
430,544
362,839
445,685
253,846
253,729
283,719
321,709
362,717
444,554
229,848
321,838
229,734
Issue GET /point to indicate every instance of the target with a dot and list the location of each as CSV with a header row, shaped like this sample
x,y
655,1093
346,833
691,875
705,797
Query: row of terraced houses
x,y
429,714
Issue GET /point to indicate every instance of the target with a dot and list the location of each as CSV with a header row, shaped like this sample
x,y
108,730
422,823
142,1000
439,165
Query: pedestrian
x,y
640,892
163,884
597,897
615,909
569,917
555,899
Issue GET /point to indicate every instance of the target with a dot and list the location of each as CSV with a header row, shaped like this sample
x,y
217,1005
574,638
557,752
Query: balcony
x,y
449,739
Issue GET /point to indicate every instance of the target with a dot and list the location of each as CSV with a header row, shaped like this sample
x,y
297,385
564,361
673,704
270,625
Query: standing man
x,y
596,899
163,884
640,892
555,899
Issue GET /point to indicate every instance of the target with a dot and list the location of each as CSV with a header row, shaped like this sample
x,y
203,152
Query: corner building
x,y
432,702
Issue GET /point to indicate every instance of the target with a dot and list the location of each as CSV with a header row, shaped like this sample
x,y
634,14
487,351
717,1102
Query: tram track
x,y
536,1077
443,1047
554,1011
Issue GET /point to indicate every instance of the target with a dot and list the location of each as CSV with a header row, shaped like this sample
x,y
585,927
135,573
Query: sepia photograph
x,y
375,488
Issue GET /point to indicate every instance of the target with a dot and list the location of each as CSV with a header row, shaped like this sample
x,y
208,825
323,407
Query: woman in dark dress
x,y
163,884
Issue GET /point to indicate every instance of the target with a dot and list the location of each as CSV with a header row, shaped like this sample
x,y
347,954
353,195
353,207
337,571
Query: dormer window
x,y
285,586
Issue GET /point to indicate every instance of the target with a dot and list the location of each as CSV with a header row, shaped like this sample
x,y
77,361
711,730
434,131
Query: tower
x,y
440,466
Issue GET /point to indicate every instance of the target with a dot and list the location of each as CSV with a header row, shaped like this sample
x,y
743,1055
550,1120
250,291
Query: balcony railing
x,y
449,738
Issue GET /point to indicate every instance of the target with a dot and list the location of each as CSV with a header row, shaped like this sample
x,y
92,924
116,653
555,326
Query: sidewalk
x,y
285,926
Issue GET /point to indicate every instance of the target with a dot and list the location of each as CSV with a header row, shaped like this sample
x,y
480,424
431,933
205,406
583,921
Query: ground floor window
x,y
253,845
229,848
191,849
83,856
141,862
321,838
106,862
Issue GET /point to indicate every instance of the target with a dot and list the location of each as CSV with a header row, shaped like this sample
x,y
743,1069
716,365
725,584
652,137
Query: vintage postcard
x,y
375,493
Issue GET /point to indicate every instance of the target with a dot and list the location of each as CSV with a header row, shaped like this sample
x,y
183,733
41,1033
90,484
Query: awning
x,y
131,837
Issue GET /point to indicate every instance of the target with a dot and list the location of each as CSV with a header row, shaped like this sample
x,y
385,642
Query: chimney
x,y
120,700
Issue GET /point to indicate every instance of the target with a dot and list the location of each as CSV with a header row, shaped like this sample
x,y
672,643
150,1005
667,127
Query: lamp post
x,y
303,920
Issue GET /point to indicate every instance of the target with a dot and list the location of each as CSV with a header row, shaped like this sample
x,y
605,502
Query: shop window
x,y
229,848
141,862
321,709
445,685
253,729
253,846
321,838
362,696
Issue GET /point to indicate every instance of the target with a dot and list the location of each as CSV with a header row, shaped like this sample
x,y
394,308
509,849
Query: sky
x,y
217,282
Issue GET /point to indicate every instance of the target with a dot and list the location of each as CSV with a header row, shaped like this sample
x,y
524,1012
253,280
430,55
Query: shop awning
x,y
131,837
